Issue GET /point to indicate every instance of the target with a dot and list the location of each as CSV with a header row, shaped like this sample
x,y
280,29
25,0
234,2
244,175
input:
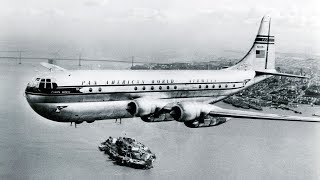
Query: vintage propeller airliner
x,y
185,96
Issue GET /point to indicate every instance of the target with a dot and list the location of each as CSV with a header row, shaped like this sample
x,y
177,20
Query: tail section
x,y
261,56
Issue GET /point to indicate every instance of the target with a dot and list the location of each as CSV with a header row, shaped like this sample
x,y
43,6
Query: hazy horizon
x,y
154,29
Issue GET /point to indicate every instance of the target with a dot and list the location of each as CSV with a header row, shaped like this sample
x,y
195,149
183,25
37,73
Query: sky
x,y
155,29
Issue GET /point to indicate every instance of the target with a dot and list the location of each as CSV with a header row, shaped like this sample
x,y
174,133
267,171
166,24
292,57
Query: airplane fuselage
x,y
77,96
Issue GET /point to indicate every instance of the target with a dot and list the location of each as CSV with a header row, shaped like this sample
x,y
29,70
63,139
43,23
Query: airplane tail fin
x,y
261,56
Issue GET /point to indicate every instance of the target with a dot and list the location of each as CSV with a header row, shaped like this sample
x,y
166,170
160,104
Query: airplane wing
x,y
52,67
257,115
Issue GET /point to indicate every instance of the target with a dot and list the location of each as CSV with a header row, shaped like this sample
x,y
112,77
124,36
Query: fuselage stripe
x,y
124,92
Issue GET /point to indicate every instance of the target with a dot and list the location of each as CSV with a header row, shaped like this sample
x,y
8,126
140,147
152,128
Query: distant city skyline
x,y
166,29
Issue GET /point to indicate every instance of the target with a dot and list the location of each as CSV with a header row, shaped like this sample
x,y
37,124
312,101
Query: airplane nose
x,y
43,109
28,98
26,94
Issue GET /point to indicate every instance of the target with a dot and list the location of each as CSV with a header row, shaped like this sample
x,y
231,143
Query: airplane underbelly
x,y
82,111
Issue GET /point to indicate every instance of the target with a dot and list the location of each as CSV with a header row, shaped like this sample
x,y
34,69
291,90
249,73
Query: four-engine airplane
x,y
185,96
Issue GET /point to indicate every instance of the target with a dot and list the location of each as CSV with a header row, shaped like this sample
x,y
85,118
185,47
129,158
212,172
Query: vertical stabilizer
x,y
261,56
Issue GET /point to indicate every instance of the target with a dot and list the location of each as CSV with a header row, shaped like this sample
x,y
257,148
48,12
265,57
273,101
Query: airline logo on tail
x,y
264,39
260,42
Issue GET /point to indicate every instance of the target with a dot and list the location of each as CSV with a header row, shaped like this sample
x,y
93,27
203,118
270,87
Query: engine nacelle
x,y
144,107
189,111
206,122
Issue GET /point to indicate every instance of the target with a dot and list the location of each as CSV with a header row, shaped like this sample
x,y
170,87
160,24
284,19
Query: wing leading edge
x,y
257,115
52,67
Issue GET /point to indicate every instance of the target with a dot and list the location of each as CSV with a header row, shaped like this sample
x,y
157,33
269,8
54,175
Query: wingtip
x,y
52,67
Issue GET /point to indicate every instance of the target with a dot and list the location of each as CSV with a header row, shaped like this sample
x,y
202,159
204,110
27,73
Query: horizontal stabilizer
x,y
52,67
257,115
275,73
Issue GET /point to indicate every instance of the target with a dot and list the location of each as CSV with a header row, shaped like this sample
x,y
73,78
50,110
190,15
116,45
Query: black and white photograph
x,y
159,89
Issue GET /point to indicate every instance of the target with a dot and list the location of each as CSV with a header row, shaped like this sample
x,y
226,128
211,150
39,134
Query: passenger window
x,y
199,86
90,89
152,88
99,89
143,88
160,87
220,86
168,87
226,85
213,86
207,86
175,87
135,88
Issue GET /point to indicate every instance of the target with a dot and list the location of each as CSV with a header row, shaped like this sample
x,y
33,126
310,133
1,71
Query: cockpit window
x,y
42,83
47,84
54,85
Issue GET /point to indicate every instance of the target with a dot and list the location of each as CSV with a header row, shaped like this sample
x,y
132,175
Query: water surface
x,y
35,148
